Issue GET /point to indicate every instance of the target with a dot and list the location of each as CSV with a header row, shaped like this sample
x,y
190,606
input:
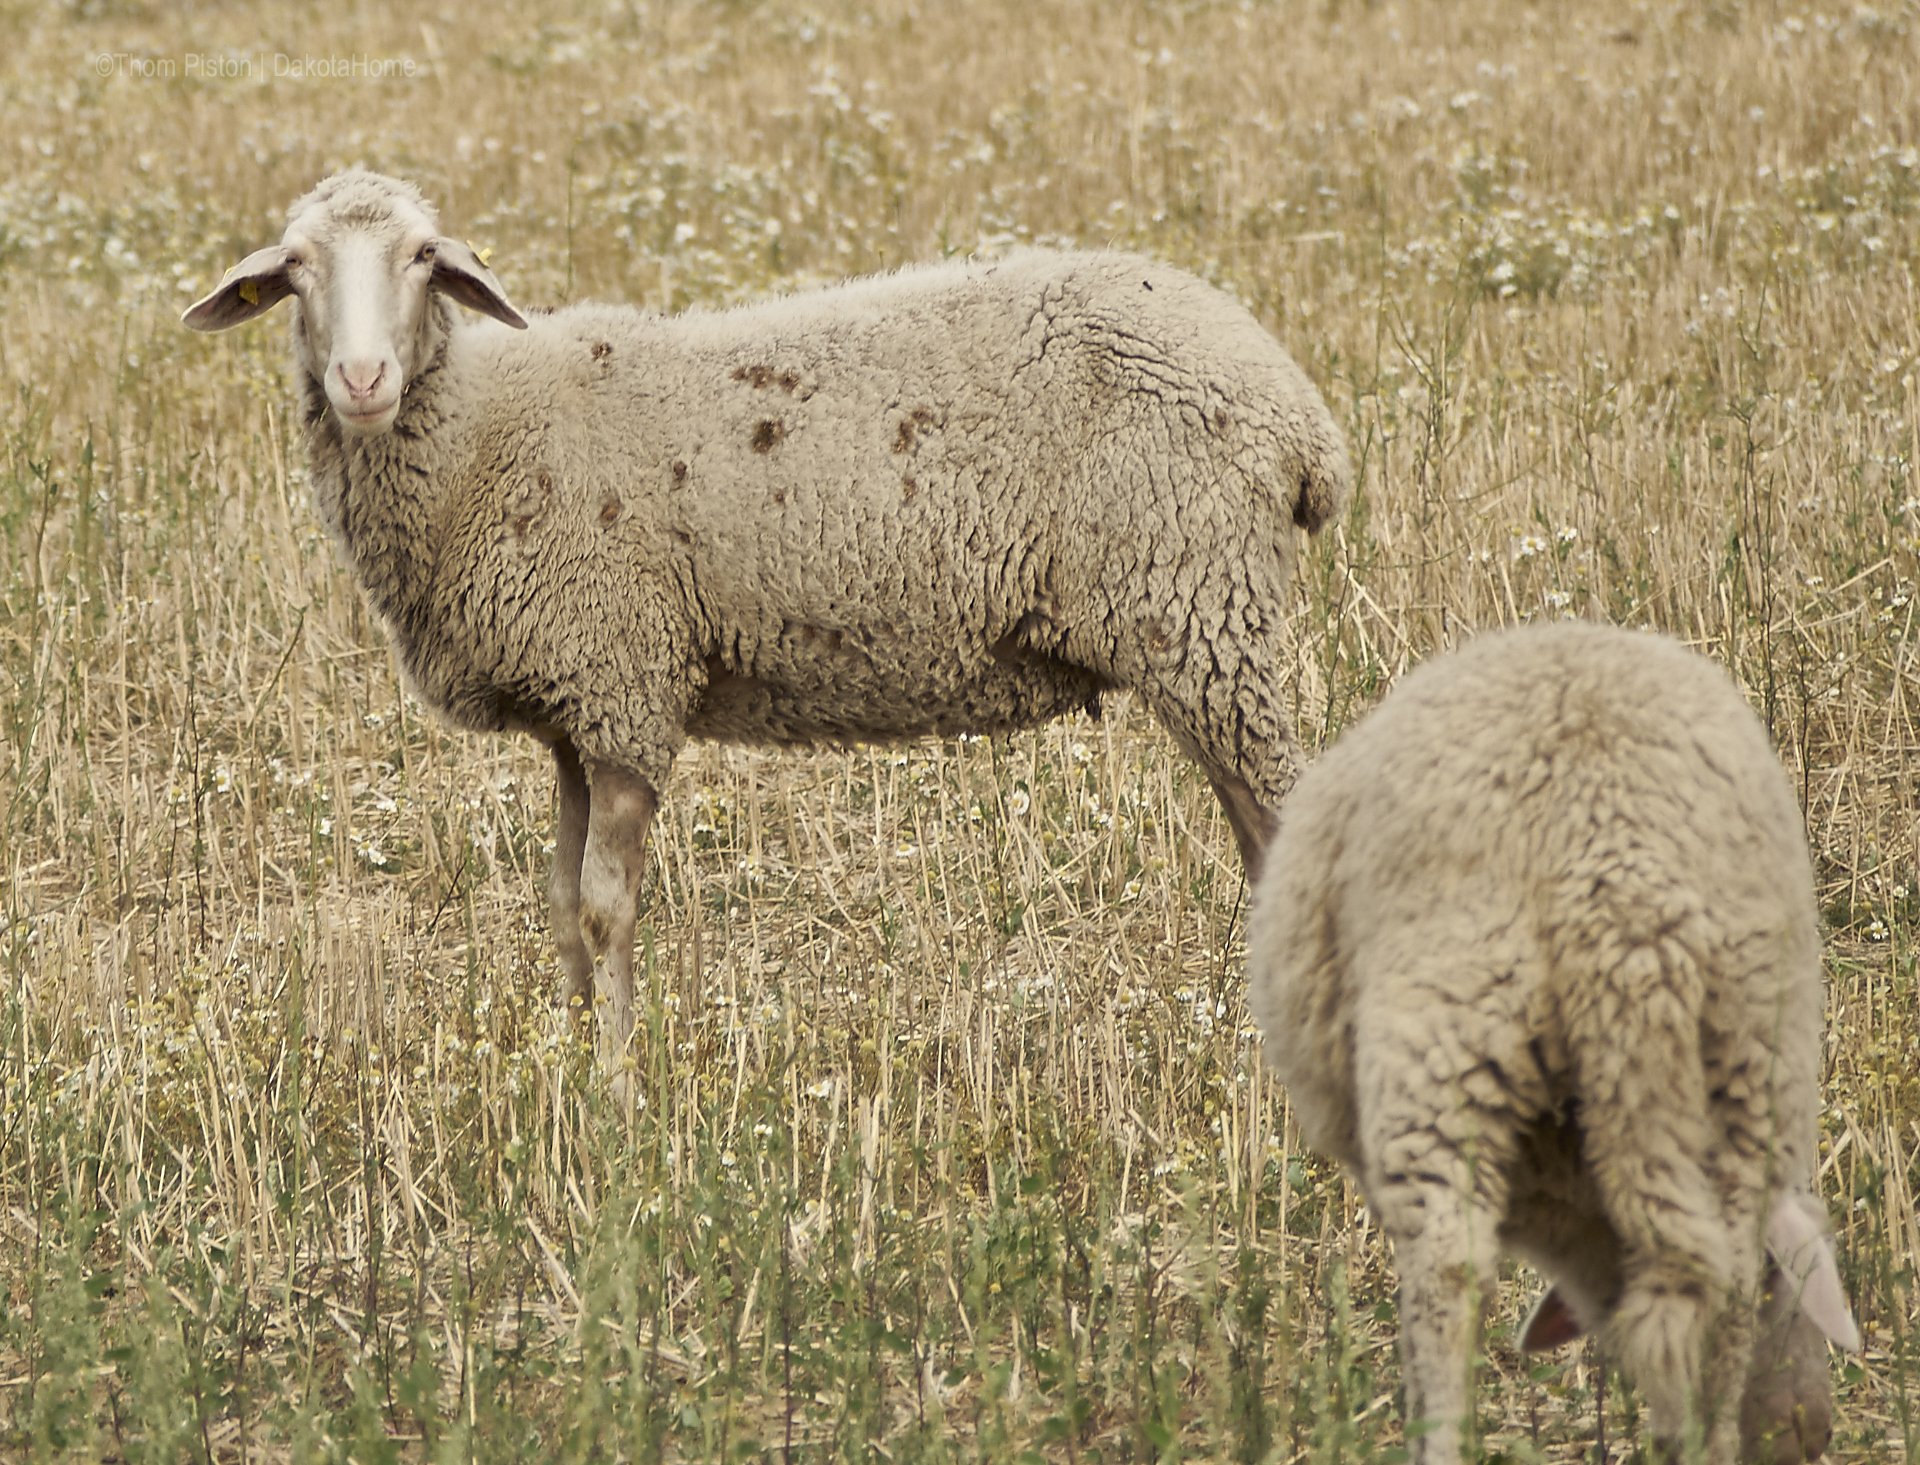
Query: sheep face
x,y
1786,1408
362,254
1786,1401
363,299
1786,1412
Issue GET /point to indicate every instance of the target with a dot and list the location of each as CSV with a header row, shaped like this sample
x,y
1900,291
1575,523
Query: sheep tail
x,y
1323,483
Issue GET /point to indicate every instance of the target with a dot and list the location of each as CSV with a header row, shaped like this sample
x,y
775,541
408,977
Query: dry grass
x,y
953,1139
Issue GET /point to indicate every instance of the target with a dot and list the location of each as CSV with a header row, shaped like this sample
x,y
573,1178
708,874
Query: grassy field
x,y
951,1140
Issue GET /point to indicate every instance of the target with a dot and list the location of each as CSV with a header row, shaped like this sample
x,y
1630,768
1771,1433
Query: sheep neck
x,y
378,494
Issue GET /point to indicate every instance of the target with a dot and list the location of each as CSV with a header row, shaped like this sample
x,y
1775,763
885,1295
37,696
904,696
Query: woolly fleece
x,y
1536,953
959,498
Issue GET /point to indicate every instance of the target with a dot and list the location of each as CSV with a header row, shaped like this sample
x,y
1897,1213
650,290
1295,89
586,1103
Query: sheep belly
x,y
837,695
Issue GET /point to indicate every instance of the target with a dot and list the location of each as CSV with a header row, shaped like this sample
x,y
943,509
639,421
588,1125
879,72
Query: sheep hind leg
x,y
1233,768
1252,822
563,886
1447,1253
1689,1218
621,809
1437,1170
1251,817
1686,1342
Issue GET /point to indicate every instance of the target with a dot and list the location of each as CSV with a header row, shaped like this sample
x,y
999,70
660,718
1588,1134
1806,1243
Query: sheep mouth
x,y
377,419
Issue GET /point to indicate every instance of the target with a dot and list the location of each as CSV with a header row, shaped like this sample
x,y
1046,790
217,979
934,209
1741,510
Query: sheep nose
x,y
1800,1439
362,377
1816,1433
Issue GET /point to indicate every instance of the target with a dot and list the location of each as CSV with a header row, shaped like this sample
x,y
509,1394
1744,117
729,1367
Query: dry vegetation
x,y
951,1139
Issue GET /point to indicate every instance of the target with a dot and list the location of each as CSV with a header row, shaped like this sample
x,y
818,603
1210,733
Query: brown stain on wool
x,y
767,435
527,508
761,377
910,428
812,637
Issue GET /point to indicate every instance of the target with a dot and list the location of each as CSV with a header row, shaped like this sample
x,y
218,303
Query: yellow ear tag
x,y
249,292
483,255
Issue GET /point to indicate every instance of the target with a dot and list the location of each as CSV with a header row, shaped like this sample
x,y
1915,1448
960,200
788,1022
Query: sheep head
x,y
1786,1403
362,253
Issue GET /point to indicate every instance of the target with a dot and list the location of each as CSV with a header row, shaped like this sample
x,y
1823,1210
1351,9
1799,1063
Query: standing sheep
x,y
1536,954
960,498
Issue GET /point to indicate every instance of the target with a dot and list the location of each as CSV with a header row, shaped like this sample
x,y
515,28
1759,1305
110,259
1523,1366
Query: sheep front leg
x,y
621,807
563,888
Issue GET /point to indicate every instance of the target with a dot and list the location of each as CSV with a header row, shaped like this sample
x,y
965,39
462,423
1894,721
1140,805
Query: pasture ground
x,y
951,1140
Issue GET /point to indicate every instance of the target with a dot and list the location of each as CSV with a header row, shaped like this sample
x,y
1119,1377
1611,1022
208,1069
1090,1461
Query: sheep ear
x,y
1550,1324
1319,498
1797,1238
461,275
252,287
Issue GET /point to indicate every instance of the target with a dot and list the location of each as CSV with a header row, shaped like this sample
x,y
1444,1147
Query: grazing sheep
x,y
1535,952
959,498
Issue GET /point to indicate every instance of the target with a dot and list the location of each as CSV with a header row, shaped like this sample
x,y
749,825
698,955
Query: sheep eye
x,y
425,256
